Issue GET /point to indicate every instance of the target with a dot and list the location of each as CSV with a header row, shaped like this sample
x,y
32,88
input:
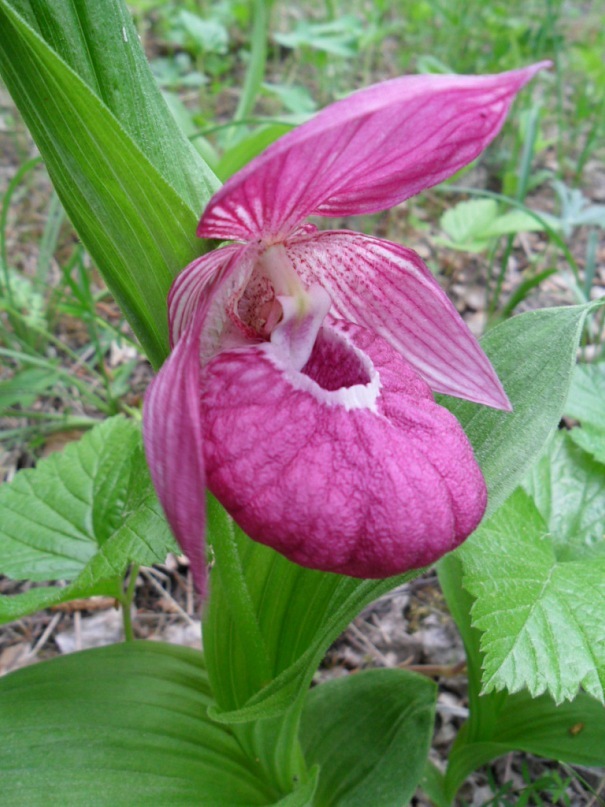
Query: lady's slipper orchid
x,y
299,386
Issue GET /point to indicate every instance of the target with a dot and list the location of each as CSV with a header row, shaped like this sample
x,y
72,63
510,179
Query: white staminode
x,y
293,338
357,396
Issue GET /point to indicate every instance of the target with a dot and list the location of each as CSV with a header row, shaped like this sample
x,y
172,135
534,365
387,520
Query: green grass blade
x,y
99,42
139,231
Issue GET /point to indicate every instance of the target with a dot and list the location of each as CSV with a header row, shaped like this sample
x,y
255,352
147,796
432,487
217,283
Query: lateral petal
x,y
192,286
172,427
208,288
387,288
365,488
172,432
365,153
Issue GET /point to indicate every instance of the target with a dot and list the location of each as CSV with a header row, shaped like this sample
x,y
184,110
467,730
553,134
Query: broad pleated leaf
x,y
82,515
138,229
370,734
272,619
573,732
123,726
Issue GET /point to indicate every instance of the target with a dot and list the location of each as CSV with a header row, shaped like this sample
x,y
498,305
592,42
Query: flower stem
x,y
127,602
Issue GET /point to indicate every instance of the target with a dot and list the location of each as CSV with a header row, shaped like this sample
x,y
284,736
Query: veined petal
x,y
172,433
190,286
365,153
387,288
172,427
348,467
206,288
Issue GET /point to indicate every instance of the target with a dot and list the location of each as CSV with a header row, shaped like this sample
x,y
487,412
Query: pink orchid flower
x,y
299,386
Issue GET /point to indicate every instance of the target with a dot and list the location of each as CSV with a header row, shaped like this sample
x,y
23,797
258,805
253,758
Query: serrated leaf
x,y
138,229
374,753
586,399
122,726
515,221
591,440
82,515
568,488
572,732
471,225
534,355
541,617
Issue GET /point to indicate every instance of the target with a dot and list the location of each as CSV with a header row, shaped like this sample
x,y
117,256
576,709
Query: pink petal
x,y
172,432
172,428
189,288
365,153
387,288
361,473
212,283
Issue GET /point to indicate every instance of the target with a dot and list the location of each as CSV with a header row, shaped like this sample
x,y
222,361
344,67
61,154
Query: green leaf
x,y
587,394
138,229
339,37
466,222
295,98
534,355
370,733
573,732
26,385
591,440
122,726
541,616
273,621
257,596
247,148
473,224
568,488
81,515
204,36
513,222
499,723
